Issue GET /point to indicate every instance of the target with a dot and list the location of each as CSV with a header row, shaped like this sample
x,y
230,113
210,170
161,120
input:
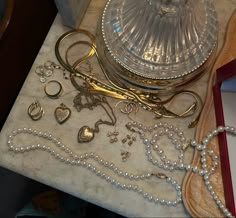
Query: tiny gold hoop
x,y
53,94
35,111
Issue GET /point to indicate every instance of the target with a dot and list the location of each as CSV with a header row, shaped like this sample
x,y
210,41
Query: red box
x,y
224,73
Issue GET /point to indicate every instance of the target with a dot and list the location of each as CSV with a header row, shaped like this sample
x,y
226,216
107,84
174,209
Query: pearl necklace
x,y
180,144
174,134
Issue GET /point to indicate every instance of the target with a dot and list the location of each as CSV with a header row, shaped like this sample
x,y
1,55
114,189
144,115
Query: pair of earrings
x,y
113,136
129,139
125,155
46,70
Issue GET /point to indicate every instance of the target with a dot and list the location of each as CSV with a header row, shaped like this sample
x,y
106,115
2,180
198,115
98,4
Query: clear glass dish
x,y
159,39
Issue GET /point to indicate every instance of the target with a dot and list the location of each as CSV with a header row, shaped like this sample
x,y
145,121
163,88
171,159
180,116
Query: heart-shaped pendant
x,y
62,113
85,134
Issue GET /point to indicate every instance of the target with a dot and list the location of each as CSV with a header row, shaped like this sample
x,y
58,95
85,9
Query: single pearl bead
x,y
174,203
156,200
206,177
199,147
174,141
209,187
205,141
156,147
155,126
214,132
162,202
140,191
220,129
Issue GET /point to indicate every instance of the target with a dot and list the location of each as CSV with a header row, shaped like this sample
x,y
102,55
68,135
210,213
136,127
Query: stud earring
x,y
129,139
113,136
125,155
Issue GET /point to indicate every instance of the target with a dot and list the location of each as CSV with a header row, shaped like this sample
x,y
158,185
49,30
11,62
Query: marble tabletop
x,y
78,181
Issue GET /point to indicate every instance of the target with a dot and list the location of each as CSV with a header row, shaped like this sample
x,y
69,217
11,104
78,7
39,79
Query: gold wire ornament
x,y
53,92
35,111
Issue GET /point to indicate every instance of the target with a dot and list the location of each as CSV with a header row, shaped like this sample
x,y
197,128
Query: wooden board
x,y
196,197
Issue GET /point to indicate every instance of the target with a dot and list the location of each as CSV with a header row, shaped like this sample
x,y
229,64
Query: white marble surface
x,y
78,181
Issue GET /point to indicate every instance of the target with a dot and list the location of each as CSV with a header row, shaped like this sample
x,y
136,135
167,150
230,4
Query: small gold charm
x,y
85,134
62,113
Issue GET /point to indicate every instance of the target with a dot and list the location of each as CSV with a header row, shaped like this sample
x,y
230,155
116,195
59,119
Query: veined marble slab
x,y
78,181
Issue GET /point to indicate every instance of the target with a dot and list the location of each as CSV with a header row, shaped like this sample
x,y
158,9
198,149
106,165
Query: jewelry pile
x,y
89,97
177,138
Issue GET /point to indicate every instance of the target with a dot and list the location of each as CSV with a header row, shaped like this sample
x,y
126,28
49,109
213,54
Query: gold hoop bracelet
x,y
56,94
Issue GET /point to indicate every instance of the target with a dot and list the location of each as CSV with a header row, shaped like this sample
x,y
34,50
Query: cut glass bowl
x,y
157,45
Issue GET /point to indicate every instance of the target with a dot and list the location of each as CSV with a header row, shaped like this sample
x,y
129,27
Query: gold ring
x,y
50,91
35,111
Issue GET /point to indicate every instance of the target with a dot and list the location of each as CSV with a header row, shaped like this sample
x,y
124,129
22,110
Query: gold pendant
x,y
62,113
85,134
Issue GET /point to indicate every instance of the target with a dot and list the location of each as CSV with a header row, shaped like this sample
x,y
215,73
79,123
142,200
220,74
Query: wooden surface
x,y
197,199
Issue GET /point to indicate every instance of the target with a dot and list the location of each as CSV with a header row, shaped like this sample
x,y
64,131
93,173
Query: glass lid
x,y
160,39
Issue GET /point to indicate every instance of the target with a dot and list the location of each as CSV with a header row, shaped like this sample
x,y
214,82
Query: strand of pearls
x,y
174,134
71,158
179,141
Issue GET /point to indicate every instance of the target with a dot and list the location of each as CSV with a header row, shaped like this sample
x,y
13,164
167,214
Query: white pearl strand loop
x,y
81,160
180,144
164,129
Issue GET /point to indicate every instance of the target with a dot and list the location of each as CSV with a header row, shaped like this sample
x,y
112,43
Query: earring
x,y
47,70
129,139
129,107
125,155
113,136
35,111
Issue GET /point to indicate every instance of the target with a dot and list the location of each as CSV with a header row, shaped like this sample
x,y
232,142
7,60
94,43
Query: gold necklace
x,y
86,133
115,91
